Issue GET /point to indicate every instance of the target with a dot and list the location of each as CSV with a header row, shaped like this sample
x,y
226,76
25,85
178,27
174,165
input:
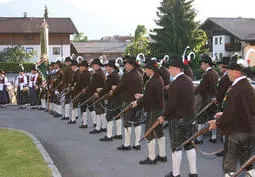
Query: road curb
x,y
45,154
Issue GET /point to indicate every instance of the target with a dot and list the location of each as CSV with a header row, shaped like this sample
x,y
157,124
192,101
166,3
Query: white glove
x,y
56,92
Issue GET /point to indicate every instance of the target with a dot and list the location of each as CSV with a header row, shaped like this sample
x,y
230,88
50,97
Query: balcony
x,y
230,47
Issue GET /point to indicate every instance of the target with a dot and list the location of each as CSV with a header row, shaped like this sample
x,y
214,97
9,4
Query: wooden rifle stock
x,y
125,110
146,134
197,134
100,99
249,162
88,100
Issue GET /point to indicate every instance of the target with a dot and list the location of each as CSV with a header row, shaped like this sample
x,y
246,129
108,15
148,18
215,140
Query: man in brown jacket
x,y
237,121
130,84
153,103
180,113
85,76
74,90
97,82
68,72
113,103
207,90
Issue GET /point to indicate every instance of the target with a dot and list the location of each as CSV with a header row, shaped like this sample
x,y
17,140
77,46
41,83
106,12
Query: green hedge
x,y
14,67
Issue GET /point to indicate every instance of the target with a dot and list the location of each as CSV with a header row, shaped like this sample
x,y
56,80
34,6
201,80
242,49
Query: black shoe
x,y
33,107
76,117
161,159
148,162
171,175
138,147
83,126
103,130
41,109
213,140
106,139
199,141
124,148
63,118
95,131
193,175
95,125
57,115
118,137
220,154
71,122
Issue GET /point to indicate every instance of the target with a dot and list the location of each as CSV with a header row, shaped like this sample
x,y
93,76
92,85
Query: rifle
x,y
146,134
77,96
88,100
125,110
249,162
100,99
57,86
156,123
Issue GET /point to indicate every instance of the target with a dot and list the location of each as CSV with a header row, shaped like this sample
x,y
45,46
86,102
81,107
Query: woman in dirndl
x,y
4,99
22,89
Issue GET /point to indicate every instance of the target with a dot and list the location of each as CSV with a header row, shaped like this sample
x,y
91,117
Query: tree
x,y
140,43
17,54
80,37
45,12
177,27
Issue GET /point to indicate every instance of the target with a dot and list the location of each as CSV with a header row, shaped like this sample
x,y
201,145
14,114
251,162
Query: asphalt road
x,y
76,153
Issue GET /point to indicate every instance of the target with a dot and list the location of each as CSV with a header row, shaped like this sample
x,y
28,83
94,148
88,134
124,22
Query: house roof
x,y
33,25
100,47
242,28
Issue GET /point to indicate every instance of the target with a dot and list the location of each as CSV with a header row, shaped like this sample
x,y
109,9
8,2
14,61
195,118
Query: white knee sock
x,y
74,114
109,129
67,110
250,173
199,127
192,158
118,126
43,103
151,149
103,120
93,116
138,134
162,146
229,174
84,118
99,122
63,109
176,162
214,134
127,132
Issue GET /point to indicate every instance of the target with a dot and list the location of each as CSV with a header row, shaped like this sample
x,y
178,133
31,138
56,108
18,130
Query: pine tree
x,y
45,12
176,21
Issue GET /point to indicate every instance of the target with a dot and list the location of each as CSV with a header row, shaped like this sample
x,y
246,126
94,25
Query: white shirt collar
x,y
76,69
238,79
175,77
207,69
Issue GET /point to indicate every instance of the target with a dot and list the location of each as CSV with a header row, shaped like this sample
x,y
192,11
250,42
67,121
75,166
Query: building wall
x,y
109,56
55,51
218,46
32,39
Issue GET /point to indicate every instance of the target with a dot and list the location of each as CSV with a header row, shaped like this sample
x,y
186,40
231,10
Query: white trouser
x,y
104,121
99,122
74,114
84,118
192,158
176,162
199,127
67,110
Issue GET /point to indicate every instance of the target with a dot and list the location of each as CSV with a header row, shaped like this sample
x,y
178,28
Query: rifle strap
x,y
206,153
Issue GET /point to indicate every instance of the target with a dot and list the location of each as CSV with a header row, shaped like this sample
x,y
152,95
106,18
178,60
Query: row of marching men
x,y
143,98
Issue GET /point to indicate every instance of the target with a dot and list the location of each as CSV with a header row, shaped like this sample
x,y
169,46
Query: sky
x,y
98,18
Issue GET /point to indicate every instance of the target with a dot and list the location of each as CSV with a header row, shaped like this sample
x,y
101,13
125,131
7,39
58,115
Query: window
x,y
221,55
216,41
221,40
56,50
29,50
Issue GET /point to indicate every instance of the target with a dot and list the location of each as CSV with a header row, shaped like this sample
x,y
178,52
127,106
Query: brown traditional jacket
x,y
84,80
75,80
222,87
239,110
153,98
180,99
68,73
207,86
97,81
130,84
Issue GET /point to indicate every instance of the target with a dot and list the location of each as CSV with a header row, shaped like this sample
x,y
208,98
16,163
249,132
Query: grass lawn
x,y
19,156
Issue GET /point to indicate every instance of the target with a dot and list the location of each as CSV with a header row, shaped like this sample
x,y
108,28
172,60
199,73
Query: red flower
x,y
186,62
155,65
